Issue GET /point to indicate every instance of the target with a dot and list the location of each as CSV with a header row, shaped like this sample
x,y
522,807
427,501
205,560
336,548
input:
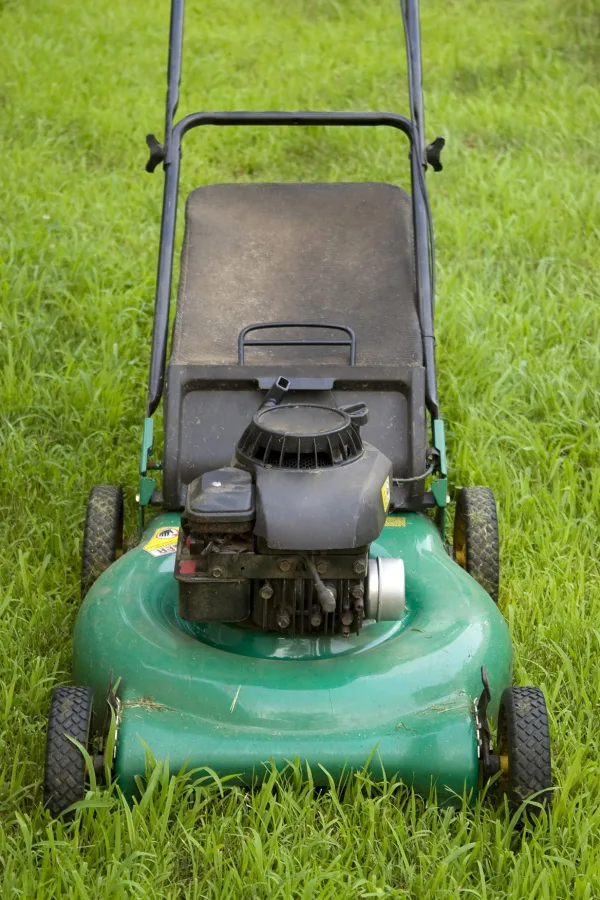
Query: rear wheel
x,y
64,770
102,534
524,748
476,542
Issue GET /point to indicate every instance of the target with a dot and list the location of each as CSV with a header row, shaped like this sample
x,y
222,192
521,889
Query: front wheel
x,y
524,748
69,719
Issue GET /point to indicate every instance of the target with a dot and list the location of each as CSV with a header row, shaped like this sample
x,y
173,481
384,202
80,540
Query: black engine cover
x,y
339,508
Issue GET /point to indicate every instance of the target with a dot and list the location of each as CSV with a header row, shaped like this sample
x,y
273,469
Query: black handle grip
x,y
157,153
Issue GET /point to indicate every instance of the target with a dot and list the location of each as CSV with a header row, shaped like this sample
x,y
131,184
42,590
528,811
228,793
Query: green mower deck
x,y
234,699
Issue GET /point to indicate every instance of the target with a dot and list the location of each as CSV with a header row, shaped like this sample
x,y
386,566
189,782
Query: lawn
x,y
513,85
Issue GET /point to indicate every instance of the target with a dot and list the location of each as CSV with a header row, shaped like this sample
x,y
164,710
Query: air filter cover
x,y
299,436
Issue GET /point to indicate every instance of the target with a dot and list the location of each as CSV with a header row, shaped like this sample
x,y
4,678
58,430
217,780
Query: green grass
x,y
513,85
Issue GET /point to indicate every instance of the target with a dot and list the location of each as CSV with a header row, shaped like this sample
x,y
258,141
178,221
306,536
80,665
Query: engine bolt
x,y
359,566
316,619
217,572
283,620
347,618
266,592
322,567
358,592
285,565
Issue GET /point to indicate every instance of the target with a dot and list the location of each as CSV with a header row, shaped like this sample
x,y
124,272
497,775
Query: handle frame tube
x,y
413,129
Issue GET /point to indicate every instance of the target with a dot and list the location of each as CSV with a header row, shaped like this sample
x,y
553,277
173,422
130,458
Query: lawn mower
x,y
294,597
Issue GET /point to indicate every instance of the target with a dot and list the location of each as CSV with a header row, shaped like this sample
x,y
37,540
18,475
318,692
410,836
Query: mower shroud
x,y
234,700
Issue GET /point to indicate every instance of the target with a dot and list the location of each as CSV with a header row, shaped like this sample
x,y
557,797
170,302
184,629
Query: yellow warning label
x,y
163,541
395,522
385,493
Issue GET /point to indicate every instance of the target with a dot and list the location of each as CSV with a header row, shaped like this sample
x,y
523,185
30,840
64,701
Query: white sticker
x,y
163,541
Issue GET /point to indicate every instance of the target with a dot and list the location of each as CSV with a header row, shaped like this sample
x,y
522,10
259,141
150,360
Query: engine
x,y
280,539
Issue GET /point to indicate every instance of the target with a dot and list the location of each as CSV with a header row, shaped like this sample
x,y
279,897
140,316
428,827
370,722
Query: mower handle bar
x,y
283,118
174,133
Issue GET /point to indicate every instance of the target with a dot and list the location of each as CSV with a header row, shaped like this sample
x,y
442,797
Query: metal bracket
x,y
157,153
113,705
116,706
147,486
433,153
489,762
147,443
439,489
439,442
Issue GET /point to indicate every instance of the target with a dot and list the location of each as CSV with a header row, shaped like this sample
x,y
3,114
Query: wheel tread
x,y
64,770
477,507
524,734
102,534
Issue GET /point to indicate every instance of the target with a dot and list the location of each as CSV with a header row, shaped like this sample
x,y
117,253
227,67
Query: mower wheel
x,y
476,542
64,770
102,534
524,748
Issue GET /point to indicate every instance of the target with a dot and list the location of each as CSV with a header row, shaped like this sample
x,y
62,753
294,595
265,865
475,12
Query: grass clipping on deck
x,y
514,88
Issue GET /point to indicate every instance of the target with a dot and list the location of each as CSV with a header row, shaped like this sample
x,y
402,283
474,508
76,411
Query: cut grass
x,y
513,85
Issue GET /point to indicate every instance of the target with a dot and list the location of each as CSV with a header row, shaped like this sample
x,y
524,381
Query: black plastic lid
x,y
224,495
299,436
